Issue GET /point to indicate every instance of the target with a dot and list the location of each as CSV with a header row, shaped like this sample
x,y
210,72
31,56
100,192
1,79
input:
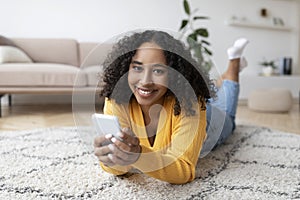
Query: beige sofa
x,y
44,66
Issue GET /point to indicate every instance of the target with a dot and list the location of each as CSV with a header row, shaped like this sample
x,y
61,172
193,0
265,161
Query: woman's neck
x,y
151,118
151,112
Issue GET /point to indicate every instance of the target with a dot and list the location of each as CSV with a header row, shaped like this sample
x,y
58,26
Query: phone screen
x,y
106,124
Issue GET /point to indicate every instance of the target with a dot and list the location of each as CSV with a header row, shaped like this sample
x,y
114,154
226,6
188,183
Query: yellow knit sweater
x,y
174,154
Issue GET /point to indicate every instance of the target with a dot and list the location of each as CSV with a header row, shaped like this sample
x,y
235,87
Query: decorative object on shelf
x,y
233,18
196,39
263,12
268,68
277,21
237,19
285,65
267,71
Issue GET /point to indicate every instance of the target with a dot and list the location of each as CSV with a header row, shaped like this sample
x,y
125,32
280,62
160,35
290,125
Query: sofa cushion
x,y
63,51
93,74
13,54
93,53
41,74
6,42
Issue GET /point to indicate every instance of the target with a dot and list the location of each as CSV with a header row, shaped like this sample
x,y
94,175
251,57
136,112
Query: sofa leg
x,y
1,95
9,100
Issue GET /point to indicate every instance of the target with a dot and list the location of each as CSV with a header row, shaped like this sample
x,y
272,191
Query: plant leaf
x,y
198,53
200,17
183,23
205,42
192,43
202,32
207,65
207,51
186,7
193,36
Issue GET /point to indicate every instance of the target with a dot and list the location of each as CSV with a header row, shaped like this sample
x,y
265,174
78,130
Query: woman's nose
x,y
146,78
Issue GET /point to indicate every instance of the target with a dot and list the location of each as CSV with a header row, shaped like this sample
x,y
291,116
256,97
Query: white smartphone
x,y
106,124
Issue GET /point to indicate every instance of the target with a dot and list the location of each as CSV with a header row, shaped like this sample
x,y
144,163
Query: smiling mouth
x,y
145,92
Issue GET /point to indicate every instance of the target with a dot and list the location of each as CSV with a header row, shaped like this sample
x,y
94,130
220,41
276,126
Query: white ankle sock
x,y
236,50
243,63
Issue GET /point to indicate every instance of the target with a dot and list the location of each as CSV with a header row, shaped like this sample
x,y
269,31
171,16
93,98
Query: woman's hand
x,y
102,150
125,152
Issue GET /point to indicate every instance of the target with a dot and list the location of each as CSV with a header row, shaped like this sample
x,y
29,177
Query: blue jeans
x,y
220,116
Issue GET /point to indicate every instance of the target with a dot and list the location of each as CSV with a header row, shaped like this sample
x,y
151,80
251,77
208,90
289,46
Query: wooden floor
x,y
39,116
288,122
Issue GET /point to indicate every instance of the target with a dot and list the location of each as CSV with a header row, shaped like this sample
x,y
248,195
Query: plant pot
x,y
267,71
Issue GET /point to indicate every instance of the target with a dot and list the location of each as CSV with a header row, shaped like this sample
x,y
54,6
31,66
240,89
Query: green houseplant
x,y
268,67
196,37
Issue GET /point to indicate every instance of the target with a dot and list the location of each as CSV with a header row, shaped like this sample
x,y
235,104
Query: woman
x,y
162,98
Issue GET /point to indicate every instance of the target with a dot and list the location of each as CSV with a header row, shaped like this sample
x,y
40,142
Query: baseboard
x,y
22,99
242,102
27,99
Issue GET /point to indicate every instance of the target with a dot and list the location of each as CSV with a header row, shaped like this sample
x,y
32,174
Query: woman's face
x,y
148,75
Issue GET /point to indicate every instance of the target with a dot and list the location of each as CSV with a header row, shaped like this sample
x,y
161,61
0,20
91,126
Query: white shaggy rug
x,y
54,163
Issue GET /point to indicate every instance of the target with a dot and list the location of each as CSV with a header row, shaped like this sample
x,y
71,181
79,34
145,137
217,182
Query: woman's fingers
x,y
119,157
106,160
128,137
118,152
126,146
124,154
121,145
118,161
102,155
101,151
110,155
102,140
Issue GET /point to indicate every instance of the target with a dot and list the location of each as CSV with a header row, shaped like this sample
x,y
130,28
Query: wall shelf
x,y
257,25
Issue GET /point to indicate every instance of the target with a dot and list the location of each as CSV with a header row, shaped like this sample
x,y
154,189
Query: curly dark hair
x,y
190,78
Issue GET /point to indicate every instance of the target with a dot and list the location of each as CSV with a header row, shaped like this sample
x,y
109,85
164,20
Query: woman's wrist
x,y
139,151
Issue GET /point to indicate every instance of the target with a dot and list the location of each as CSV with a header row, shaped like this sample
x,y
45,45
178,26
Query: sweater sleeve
x,y
109,109
176,163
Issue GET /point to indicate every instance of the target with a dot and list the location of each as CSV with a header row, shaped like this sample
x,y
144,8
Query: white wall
x,y
99,20
85,20
267,43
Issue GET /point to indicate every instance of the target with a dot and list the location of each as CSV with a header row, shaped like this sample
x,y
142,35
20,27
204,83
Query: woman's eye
x,y
159,71
137,68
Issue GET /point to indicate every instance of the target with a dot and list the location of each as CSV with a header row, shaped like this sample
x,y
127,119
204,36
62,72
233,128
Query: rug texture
x,y
55,163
